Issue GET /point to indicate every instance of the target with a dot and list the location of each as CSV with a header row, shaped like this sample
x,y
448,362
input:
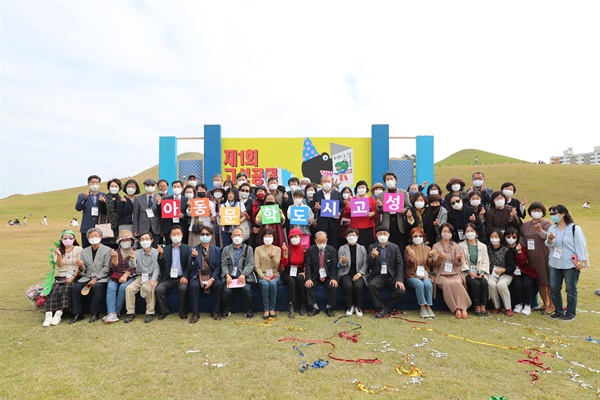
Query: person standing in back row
x,y
146,213
88,203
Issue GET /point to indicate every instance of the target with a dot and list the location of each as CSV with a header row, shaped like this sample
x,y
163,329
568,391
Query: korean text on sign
x,y
270,214
298,215
330,208
393,202
200,208
170,208
359,207
229,216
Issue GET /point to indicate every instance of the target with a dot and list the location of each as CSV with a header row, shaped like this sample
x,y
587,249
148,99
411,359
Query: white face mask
x,y
298,201
434,191
295,240
499,203
189,195
511,241
218,195
176,191
310,193
217,184
507,193
361,191
268,240
475,203
192,183
125,244
382,238
447,236
176,239
293,188
346,195
327,186
457,205
352,239
390,184
150,189
470,235
456,187
477,182
418,240
273,186
237,240
114,190
94,188
377,192
321,246
244,195
536,214
131,191
162,192
419,204
145,243
94,240
494,241
240,182
302,187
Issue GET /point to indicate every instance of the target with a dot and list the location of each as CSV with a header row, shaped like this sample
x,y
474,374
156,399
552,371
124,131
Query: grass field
x,y
149,360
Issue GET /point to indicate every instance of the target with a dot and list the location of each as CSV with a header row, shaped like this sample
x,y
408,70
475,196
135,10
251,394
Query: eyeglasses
x,y
454,202
511,236
205,234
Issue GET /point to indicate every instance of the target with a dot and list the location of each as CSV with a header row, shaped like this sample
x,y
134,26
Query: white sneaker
x,y
527,310
518,308
358,312
111,317
56,318
47,319
350,311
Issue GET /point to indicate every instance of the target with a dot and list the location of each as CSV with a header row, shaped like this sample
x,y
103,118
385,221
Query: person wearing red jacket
x,y
365,224
291,271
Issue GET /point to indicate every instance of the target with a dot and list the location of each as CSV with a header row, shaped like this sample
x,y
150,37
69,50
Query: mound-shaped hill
x,y
467,157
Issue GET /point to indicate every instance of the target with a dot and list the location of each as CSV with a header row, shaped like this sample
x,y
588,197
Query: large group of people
x,y
470,242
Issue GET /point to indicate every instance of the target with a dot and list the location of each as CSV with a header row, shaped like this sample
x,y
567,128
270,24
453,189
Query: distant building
x,y
584,158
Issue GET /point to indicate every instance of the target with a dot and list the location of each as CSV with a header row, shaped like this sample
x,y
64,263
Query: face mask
x,y
218,195
273,186
298,201
446,235
176,191
205,239
511,241
494,241
434,191
456,187
475,203
411,192
302,187
94,188
327,186
217,184
457,205
346,195
260,196
189,195
268,240
507,193
125,244
555,218
68,242
237,240
499,203
470,235
361,191
193,183
240,183
321,246
377,192
477,182
536,214
270,203
149,189
162,192
130,191
295,240
418,240
244,195
390,184
310,193
293,188
382,238
176,239
419,204
94,240
200,194
352,239
146,243
114,190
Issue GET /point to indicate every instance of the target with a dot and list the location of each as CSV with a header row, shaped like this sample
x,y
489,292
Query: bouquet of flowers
x,y
35,296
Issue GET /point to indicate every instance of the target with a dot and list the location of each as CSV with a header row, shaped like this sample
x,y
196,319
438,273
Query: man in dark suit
x,y
146,213
88,203
386,269
182,220
321,269
175,262
394,221
329,225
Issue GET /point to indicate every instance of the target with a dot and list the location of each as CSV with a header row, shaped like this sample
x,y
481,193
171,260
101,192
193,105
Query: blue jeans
x,y
269,293
423,288
571,277
115,295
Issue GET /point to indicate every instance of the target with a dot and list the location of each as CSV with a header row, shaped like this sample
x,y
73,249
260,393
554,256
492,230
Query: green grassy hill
x,y
467,157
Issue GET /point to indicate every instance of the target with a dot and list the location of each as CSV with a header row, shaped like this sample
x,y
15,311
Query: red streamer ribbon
x,y
536,362
357,361
345,335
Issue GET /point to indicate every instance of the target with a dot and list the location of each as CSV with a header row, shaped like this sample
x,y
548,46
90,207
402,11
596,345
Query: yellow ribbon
x,y
360,386
469,340
414,371
545,337
266,323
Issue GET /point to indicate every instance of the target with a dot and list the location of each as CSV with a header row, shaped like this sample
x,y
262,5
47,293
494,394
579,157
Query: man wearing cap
x,y
94,263
321,269
384,260
192,180
175,266
146,213
145,262
394,221
88,203
479,186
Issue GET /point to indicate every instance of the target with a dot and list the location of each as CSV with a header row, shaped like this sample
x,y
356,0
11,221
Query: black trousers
x,y
196,291
295,287
247,297
98,294
311,292
478,291
522,289
376,283
161,295
352,290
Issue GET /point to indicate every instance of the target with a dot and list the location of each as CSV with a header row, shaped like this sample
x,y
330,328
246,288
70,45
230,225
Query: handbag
x,y
115,276
575,258
246,228
107,231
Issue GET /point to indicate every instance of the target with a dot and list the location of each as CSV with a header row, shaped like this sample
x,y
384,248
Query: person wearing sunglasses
x,y
523,281
476,256
417,271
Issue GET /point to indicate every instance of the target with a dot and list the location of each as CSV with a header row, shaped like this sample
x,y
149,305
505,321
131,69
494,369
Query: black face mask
x,y
270,203
201,194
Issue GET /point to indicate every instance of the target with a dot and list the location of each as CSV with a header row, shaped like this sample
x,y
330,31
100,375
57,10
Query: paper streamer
x,y
469,340
267,322
589,339
373,389
357,361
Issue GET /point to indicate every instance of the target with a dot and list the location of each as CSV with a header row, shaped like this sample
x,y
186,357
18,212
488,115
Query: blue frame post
x,y
212,152
380,152
167,158
425,164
